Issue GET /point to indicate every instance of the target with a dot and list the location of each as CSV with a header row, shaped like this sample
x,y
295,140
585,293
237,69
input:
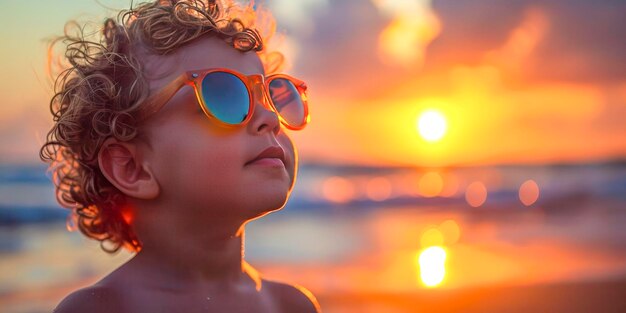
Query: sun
x,y
432,125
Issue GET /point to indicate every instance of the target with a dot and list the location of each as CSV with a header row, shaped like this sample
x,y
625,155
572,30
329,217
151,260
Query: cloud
x,y
297,16
413,27
558,41
584,41
470,29
522,42
340,56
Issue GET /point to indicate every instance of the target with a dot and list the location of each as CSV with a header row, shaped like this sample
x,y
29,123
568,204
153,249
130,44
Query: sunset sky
x,y
515,81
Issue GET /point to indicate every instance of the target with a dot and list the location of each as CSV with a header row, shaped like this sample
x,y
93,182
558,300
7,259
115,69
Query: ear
x,y
122,164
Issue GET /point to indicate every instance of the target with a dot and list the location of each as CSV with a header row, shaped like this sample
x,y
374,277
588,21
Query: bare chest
x,y
150,301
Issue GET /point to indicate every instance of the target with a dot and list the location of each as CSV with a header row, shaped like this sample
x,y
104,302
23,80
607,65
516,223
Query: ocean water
x,y
359,230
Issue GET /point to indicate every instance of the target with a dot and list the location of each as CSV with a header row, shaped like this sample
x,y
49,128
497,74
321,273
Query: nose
x,y
263,118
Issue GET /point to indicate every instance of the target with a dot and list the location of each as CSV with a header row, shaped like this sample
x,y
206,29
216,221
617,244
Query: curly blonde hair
x,y
99,94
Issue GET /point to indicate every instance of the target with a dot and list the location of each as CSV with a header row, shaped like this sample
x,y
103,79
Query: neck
x,y
214,257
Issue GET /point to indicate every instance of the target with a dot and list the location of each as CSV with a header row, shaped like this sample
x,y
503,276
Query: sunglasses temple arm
x,y
155,102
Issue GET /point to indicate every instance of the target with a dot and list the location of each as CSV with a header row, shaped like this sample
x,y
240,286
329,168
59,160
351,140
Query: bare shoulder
x,y
94,299
293,298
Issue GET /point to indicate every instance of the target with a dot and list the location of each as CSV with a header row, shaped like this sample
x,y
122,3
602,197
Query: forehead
x,y
202,53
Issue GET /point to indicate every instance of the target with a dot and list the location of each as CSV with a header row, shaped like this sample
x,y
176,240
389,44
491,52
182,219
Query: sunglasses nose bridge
x,y
259,92
267,115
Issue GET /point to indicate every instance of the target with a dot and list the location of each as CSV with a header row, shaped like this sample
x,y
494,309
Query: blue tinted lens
x,y
287,101
226,97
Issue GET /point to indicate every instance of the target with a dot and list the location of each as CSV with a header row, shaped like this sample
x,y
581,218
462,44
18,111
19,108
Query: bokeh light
x,y
450,185
432,237
378,189
430,185
451,231
338,189
529,192
476,194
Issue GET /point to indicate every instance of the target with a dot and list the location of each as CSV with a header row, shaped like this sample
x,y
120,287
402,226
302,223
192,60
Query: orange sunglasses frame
x,y
194,78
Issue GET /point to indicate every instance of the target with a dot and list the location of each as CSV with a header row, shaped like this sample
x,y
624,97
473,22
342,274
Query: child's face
x,y
201,166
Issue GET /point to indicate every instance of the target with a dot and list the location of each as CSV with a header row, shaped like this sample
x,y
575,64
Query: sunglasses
x,y
227,96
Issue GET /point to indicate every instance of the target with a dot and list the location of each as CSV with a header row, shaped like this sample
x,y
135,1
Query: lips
x,y
272,152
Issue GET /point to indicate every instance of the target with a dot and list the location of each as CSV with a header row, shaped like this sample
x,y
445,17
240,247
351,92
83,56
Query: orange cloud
x,y
413,27
521,42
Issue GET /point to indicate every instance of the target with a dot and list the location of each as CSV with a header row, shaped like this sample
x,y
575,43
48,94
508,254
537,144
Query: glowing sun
x,y
432,125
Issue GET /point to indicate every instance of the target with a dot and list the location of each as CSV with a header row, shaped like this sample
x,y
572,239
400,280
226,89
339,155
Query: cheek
x,y
195,167
211,167
291,155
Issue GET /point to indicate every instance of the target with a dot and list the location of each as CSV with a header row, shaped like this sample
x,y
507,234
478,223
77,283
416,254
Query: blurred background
x,y
463,156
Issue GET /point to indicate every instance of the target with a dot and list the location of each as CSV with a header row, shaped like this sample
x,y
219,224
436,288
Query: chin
x,y
268,204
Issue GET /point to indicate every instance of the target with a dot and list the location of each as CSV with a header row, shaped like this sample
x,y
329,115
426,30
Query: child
x,y
169,137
